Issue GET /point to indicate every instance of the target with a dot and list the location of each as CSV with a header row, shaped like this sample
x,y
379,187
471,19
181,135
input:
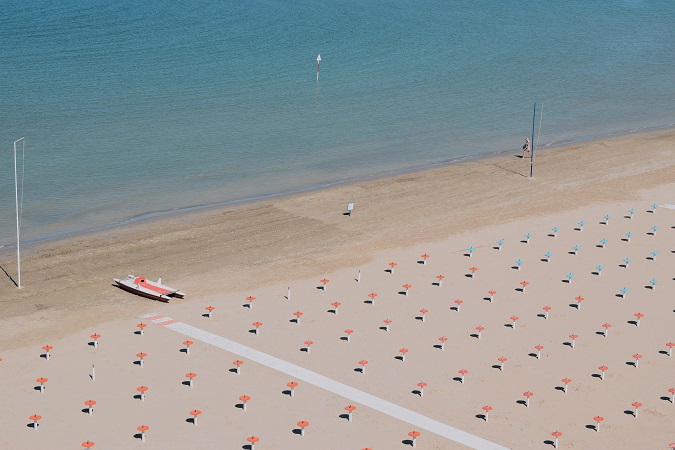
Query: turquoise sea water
x,y
131,108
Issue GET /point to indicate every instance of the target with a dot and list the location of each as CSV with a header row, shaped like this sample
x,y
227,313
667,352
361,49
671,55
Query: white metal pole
x,y
16,193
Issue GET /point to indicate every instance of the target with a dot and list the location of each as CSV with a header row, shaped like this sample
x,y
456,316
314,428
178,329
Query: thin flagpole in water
x,y
16,193
541,118
318,66
534,113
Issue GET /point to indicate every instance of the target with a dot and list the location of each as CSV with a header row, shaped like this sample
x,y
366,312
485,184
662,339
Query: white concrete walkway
x,y
348,392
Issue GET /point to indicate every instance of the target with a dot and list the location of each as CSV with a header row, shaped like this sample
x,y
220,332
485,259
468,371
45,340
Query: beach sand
x,y
220,256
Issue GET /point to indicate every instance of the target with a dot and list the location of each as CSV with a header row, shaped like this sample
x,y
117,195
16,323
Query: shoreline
x,y
326,185
242,246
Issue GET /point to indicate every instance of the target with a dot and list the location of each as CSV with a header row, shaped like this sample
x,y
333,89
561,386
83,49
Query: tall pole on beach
x,y
318,66
16,194
534,113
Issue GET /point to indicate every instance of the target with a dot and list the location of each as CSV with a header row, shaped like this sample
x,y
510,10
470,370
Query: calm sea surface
x,y
132,108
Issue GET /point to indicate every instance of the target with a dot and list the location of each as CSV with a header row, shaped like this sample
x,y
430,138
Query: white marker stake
x,y
288,295
358,277
318,66
93,373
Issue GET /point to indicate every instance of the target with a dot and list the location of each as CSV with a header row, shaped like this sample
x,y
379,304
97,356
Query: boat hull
x,y
144,288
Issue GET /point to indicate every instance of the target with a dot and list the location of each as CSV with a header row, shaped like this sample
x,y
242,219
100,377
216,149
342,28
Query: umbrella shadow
x,y
566,280
245,305
457,379
344,416
203,315
43,355
286,392
549,442
91,344
560,388
629,412
569,344
407,442
331,311
474,335
521,402
239,406
497,366
596,375
438,346
304,349
663,352
343,338
321,288
592,427
600,333
574,305
436,283
233,370
542,316
416,392
632,322
630,363
389,270
184,350
249,446
138,436
358,369
481,416
420,262
137,396
649,286
533,355
667,399
420,318
190,420
383,328
399,357
454,308
508,325
295,320
297,431
487,299
520,289
595,273
185,383
137,362
138,332
468,275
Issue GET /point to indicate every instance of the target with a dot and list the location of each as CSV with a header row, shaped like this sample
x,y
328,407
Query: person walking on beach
x,y
527,148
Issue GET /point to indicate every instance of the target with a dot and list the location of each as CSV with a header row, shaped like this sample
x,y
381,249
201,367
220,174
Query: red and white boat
x,y
151,289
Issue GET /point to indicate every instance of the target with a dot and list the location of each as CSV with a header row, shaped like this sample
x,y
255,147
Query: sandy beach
x,y
221,256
